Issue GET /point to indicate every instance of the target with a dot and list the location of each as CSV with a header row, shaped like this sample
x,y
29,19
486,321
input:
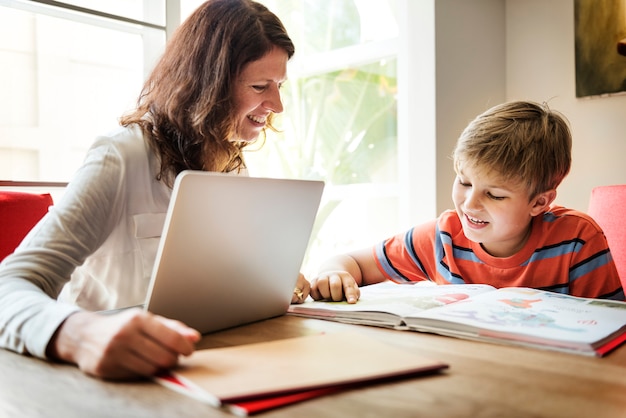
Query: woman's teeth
x,y
256,119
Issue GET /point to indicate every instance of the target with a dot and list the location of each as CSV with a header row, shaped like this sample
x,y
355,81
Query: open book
x,y
252,378
520,316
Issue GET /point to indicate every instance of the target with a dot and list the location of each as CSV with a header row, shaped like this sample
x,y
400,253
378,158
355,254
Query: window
x,y
340,119
73,70
68,74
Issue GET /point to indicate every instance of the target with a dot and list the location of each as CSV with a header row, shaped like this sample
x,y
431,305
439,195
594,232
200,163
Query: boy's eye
x,y
491,196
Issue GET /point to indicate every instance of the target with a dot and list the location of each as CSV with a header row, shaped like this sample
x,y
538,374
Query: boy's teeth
x,y
474,220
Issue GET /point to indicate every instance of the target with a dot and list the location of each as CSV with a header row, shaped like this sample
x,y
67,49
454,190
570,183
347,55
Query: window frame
x,y
152,33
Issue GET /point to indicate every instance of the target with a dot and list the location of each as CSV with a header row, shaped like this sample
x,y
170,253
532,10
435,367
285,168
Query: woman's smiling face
x,y
257,93
494,212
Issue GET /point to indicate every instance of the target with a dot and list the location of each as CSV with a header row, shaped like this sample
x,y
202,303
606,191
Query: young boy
x,y
503,231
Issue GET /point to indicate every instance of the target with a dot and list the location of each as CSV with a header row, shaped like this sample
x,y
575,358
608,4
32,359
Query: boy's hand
x,y
335,286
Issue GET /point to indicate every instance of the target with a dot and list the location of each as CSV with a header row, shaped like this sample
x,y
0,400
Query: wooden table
x,y
484,380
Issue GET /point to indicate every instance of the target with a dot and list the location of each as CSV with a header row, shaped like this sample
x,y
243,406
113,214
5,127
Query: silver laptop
x,y
231,249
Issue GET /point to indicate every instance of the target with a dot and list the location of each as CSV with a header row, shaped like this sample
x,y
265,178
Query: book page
x,y
531,314
395,299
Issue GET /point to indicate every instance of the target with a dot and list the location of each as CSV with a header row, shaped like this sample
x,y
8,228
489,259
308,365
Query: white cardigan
x,y
103,234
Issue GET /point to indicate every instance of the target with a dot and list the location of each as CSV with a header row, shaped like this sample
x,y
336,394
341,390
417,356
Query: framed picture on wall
x,y
600,43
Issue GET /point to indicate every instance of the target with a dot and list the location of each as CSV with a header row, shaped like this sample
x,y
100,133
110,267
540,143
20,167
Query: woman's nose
x,y
273,102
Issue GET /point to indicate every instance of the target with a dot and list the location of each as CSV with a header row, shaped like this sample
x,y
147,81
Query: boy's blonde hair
x,y
520,141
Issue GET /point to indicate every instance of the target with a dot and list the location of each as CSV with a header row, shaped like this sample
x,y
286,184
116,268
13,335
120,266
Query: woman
x,y
212,93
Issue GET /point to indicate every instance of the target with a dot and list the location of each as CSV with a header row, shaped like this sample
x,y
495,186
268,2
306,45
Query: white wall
x,y
451,67
489,51
540,62
470,74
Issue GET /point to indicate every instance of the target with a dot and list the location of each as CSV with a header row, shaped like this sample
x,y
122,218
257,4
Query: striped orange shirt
x,y
566,252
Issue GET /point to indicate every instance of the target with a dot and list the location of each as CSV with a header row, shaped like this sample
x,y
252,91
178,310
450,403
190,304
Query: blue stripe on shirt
x,y
408,243
587,266
441,240
556,250
381,255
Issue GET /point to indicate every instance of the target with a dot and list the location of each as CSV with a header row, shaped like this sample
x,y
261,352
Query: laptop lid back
x,y
231,248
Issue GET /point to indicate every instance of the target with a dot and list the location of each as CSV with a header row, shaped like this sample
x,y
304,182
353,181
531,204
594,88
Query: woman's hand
x,y
301,291
129,344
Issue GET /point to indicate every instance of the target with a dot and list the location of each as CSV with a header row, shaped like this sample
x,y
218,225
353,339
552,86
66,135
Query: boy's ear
x,y
542,201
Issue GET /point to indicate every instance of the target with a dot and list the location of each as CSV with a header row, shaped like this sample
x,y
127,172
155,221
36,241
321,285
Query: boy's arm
x,y
340,276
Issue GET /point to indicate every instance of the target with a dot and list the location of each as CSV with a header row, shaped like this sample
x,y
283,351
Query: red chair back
x,y
19,212
607,206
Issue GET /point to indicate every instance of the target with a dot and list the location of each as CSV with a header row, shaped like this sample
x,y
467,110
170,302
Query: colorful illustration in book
x,y
451,298
520,303
516,312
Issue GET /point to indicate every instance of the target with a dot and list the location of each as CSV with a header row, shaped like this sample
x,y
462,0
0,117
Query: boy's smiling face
x,y
494,212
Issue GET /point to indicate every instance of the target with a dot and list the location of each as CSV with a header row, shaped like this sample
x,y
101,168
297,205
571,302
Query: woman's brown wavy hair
x,y
186,108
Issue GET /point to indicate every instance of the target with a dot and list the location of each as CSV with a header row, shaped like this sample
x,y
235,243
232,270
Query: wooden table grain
x,y
483,380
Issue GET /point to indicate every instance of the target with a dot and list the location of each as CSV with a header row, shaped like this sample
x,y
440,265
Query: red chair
x,y
19,212
607,206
